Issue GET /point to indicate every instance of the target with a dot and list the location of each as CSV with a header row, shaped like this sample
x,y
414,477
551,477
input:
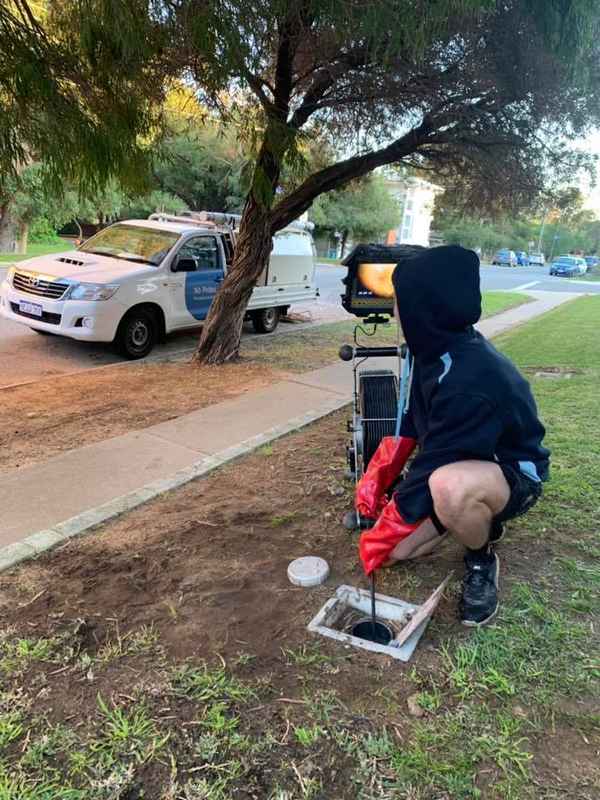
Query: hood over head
x,y
438,297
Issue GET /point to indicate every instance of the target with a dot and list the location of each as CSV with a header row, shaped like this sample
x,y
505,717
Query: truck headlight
x,y
91,291
10,274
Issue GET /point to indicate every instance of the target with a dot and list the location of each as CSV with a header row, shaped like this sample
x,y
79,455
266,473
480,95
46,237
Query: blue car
x,y
592,261
568,266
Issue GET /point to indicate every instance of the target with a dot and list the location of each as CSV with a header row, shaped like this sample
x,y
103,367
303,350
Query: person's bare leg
x,y
466,496
420,543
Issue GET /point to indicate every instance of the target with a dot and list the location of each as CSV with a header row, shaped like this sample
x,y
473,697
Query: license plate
x,y
34,309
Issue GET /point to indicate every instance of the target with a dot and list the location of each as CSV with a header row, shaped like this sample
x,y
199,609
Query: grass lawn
x,y
495,302
36,249
165,656
568,337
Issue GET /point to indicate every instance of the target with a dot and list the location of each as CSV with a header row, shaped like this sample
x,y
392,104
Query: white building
x,y
416,198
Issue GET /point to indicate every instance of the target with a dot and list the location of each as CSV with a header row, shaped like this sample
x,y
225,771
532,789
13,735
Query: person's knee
x,y
451,493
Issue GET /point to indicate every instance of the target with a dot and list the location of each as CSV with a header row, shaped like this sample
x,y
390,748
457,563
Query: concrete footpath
x,y
49,502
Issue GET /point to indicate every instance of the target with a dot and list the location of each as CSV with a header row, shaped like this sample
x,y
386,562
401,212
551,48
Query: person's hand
x,y
376,545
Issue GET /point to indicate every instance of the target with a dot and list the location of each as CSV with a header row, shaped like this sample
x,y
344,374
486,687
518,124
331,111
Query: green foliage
x,y
42,231
157,200
11,727
582,235
563,225
308,736
204,168
361,210
17,656
33,202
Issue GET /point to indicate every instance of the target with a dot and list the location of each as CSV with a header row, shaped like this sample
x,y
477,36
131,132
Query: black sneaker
x,y
479,602
496,532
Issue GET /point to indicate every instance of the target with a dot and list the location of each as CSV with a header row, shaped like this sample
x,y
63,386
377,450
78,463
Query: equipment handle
x,y
347,352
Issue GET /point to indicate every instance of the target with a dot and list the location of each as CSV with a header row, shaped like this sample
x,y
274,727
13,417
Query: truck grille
x,y
32,284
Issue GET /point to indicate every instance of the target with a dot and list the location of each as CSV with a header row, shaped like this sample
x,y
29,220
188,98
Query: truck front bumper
x,y
90,321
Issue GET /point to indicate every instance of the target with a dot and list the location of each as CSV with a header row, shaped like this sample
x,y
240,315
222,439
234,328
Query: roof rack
x,y
214,218
183,218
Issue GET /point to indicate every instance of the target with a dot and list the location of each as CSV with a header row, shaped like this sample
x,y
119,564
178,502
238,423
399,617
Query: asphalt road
x,y
27,356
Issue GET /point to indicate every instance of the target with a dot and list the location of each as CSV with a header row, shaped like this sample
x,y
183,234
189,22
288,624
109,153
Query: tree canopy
x,y
490,94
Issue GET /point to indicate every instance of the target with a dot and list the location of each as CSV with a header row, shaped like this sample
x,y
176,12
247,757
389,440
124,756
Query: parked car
x,y
537,260
138,280
568,266
593,262
522,258
505,258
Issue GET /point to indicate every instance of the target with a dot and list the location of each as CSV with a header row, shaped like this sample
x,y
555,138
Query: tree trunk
x,y
222,330
9,230
343,241
23,238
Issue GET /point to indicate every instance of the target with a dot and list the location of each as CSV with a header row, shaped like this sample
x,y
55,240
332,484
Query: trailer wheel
x,y
265,320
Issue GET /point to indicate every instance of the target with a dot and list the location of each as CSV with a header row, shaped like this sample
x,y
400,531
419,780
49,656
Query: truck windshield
x,y
132,243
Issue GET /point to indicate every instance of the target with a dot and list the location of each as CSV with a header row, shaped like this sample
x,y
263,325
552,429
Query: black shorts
x,y
524,493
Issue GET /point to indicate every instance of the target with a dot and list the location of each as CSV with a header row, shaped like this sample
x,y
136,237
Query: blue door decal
x,y
202,285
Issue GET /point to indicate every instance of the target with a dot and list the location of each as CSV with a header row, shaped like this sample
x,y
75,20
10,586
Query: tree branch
x,y
326,77
256,84
289,39
339,174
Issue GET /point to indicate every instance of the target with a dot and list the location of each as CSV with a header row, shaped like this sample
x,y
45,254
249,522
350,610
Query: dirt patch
x,y
207,563
49,417
43,419
204,568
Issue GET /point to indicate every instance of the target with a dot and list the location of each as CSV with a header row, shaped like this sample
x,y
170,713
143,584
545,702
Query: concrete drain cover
x,y
341,615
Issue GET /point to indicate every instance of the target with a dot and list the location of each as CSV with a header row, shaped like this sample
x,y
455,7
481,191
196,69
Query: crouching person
x,y
472,416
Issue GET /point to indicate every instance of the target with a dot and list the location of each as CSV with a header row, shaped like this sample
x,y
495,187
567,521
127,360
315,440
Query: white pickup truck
x,y
136,281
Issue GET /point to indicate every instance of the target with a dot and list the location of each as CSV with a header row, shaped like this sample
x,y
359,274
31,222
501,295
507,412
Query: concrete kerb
x,y
37,543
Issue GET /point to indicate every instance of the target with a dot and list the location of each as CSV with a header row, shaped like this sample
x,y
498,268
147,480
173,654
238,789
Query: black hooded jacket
x,y
467,400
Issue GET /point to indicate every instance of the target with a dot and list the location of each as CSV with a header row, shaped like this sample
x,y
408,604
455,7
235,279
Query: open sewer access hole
x,y
377,632
344,614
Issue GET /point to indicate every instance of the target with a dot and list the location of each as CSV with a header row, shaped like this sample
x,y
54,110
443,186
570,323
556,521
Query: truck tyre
x,y
137,334
265,320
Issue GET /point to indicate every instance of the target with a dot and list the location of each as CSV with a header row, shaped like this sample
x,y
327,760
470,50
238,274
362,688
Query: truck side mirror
x,y
183,264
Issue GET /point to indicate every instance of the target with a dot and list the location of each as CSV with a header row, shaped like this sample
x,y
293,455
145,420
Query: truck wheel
x,y
137,334
265,320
